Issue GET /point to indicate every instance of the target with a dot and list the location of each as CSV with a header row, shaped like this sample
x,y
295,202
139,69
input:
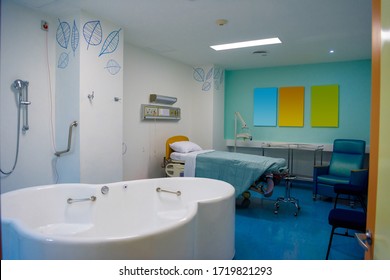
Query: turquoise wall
x,y
353,78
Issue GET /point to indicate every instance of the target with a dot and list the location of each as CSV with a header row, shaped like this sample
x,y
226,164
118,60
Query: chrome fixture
x,y
364,239
73,124
178,193
73,200
104,190
22,99
91,96
19,85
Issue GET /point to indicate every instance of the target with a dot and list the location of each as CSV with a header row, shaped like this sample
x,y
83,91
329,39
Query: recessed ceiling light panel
x,y
246,44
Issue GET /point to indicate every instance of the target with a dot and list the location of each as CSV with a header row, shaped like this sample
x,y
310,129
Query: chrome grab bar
x,y
178,193
73,124
72,200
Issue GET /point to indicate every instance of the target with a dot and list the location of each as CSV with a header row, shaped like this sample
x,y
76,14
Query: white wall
x,y
23,56
101,118
96,152
96,155
147,73
67,100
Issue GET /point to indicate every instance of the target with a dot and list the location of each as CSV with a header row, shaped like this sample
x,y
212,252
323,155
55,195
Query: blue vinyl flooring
x,y
263,235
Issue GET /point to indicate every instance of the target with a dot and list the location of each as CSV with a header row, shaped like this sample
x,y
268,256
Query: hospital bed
x,y
243,171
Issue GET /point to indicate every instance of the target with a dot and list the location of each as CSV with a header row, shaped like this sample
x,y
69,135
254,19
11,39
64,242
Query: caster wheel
x,y
246,195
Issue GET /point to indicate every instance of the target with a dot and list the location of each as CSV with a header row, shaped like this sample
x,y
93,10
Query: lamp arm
x,y
243,123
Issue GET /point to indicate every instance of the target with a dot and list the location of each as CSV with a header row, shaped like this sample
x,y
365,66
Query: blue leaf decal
x,y
93,33
206,86
74,40
218,77
209,74
198,74
63,34
111,43
217,73
63,60
113,67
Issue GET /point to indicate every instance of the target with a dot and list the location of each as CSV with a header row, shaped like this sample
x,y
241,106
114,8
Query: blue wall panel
x,y
265,104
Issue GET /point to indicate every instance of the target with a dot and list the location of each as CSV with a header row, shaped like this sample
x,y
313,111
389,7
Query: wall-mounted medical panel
x,y
265,106
325,106
157,112
291,106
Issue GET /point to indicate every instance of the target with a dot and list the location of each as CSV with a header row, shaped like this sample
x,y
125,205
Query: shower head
x,y
18,84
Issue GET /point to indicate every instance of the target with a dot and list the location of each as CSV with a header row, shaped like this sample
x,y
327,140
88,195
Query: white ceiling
x,y
184,29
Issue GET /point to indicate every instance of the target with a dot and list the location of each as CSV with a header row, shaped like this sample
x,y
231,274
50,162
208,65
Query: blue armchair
x,y
345,167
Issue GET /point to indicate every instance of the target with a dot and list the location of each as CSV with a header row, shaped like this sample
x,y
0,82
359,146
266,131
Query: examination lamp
x,y
244,135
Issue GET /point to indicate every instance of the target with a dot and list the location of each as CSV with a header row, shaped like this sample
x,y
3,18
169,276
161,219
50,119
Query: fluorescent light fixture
x,y
262,42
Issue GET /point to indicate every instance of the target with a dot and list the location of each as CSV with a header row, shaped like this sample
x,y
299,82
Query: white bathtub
x,y
131,221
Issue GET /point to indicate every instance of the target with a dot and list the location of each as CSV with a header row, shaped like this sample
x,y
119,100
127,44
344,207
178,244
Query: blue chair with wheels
x,y
348,219
345,167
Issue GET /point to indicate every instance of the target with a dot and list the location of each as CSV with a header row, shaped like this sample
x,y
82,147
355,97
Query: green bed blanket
x,y
238,169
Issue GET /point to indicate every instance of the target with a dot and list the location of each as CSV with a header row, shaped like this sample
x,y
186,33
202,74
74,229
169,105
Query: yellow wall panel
x,y
291,106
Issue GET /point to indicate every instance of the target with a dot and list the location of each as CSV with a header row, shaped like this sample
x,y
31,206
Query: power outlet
x,y
44,25
150,111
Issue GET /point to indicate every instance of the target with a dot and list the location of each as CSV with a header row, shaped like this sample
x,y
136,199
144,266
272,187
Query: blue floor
x,y
263,235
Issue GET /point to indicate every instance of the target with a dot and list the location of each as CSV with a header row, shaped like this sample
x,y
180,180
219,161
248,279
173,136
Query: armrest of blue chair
x,y
359,177
319,170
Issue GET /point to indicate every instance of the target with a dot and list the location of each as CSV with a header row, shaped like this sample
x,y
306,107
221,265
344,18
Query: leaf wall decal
x,y
217,72
75,38
198,74
113,67
206,86
218,77
63,60
63,34
111,43
93,33
209,74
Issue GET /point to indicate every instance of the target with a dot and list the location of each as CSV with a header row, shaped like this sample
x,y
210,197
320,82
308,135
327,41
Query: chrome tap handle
x,y
178,193
72,200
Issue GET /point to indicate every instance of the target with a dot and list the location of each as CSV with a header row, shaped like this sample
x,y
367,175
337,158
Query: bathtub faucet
x,y
72,200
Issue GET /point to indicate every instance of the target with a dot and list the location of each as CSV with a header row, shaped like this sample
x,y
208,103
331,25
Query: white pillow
x,y
184,147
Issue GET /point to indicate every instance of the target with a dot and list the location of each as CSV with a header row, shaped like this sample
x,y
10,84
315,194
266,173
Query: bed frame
x,y
173,168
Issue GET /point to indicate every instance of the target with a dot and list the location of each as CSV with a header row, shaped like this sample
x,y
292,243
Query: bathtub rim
x,y
34,234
